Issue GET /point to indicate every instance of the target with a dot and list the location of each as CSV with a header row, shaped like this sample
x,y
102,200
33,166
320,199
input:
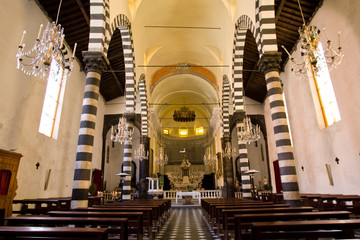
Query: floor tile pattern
x,y
186,223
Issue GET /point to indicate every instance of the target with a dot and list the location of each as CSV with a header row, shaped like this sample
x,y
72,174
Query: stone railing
x,y
238,195
203,194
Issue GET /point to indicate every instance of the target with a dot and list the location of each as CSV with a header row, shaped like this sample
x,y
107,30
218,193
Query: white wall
x,y
315,146
21,99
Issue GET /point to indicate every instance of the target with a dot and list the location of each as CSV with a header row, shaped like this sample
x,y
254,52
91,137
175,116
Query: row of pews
x,y
135,219
254,219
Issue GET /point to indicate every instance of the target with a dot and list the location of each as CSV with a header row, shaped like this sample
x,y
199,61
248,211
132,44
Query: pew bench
x,y
243,221
135,219
228,219
118,226
54,233
305,229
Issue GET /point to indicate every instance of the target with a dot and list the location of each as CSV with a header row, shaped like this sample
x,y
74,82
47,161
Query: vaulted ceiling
x,y
75,14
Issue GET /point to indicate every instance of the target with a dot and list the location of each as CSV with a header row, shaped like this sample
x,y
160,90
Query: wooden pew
x,y
354,205
243,221
305,229
63,233
229,214
111,223
135,219
2,216
147,219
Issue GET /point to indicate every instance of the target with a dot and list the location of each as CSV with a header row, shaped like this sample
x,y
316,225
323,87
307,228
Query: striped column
x,y
243,157
95,64
270,64
126,194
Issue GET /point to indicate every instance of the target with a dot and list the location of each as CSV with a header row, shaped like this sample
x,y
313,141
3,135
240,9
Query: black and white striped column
x,y
269,64
126,194
95,64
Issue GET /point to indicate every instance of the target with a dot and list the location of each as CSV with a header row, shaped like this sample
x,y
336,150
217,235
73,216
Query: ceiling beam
x,y
281,6
82,8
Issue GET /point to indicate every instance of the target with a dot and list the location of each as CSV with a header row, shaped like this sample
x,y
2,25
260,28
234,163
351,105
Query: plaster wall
x,y
21,100
315,145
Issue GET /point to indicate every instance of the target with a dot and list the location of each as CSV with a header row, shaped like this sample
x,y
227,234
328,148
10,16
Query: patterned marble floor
x,y
186,223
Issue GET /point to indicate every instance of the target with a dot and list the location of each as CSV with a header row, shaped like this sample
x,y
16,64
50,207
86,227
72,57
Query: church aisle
x,y
186,223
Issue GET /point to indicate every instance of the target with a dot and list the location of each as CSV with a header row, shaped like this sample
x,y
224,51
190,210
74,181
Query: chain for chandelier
x,y
48,47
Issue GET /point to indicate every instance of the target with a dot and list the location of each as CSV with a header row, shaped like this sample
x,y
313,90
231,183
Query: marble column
x,y
270,64
95,65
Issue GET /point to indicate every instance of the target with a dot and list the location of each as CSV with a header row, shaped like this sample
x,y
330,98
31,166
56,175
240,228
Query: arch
x,y
122,23
99,29
144,106
242,25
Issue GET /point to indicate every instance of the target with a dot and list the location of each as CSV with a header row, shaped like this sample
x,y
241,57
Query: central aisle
x,y
186,223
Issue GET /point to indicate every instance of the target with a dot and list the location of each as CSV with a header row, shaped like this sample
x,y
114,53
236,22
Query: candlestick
x,y
38,36
74,50
22,38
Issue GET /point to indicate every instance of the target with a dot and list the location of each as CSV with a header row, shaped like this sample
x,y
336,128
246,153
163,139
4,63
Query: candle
x,y
62,40
339,38
38,36
74,50
112,130
327,38
285,50
22,38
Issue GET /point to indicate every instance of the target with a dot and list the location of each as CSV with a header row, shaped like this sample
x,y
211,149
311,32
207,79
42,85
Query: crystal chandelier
x,y
309,39
123,133
209,159
48,46
247,133
141,153
184,114
227,150
162,159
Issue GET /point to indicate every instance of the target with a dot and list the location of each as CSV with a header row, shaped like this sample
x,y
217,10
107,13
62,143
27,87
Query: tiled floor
x,y
186,223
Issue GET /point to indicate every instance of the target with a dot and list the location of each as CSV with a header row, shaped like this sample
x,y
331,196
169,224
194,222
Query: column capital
x,y
95,61
270,61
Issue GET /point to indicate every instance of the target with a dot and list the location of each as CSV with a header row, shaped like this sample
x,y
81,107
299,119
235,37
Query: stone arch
x,y
144,105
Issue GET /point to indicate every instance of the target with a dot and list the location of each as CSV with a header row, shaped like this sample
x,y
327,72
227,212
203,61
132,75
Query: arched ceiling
x,y
171,32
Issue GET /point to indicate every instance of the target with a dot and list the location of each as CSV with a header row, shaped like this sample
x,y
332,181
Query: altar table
x,y
194,194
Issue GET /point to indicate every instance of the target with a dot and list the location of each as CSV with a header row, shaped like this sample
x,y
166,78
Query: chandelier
x,y
247,133
310,51
209,159
123,133
227,150
141,153
184,114
162,159
48,47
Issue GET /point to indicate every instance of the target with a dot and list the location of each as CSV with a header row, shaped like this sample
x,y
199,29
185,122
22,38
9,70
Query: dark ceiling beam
x,y
281,6
117,81
250,79
82,8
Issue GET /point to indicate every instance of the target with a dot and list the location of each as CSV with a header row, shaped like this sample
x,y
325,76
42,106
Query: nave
x,y
186,223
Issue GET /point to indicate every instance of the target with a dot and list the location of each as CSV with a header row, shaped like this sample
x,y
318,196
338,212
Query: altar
x,y
188,196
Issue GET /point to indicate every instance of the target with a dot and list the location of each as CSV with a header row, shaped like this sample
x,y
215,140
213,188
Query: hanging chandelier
x,y
141,153
123,133
184,114
247,133
162,159
209,159
48,47
311,52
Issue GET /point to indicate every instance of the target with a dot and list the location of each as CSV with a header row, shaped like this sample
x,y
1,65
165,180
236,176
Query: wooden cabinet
x,y
9,164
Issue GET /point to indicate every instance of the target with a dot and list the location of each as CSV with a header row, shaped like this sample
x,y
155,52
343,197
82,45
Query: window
x,y
199,131
325,89
50,116
183,132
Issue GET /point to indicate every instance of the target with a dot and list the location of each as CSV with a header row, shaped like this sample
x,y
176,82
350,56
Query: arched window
x,y
324,88
50,116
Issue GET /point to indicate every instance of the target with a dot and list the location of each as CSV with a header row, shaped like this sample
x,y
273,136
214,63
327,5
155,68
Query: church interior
x,y
181,103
